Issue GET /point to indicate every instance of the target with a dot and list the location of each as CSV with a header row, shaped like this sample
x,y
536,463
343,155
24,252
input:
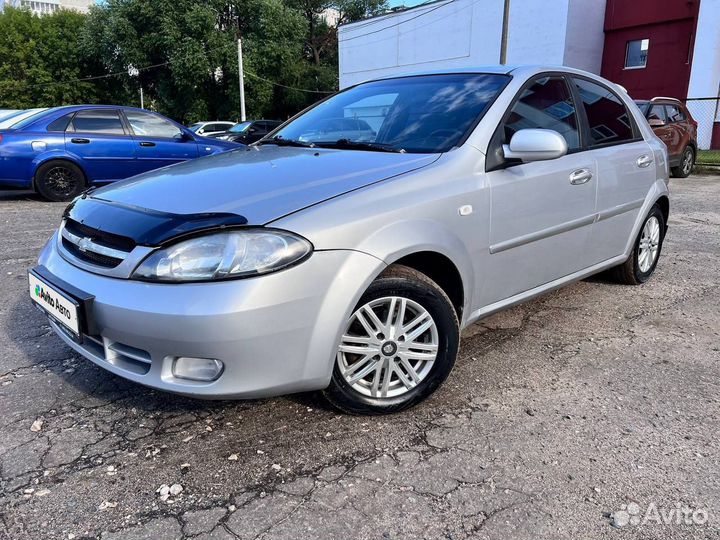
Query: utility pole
x,y
504,38
142,98
241,80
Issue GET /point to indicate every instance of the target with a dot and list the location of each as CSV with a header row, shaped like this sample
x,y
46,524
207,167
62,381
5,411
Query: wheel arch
x,y
432,248
442,271
664,203
50,158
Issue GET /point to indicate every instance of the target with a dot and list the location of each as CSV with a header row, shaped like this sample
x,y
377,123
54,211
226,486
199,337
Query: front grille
x,y
93,246
90,256
108,239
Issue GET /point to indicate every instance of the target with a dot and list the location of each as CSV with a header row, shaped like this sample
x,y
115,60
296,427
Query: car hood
x,y
261,183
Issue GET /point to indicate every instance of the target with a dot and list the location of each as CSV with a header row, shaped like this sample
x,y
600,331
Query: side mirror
x,y
655,122
184,136
535,145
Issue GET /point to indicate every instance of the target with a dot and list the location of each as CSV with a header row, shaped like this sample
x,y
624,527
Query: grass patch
x,y
708,157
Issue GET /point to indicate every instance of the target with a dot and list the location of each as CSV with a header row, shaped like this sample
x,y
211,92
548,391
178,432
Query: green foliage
x,y
185,52
35,53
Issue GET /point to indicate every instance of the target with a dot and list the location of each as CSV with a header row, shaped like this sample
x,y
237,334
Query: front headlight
x,y
223,255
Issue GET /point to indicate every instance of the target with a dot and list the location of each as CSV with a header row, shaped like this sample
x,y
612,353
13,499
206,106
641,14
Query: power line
x,y
375,19
286,86
443,4
161,64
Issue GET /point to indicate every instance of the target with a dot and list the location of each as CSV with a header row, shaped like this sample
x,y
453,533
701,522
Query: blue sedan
x,y
59,152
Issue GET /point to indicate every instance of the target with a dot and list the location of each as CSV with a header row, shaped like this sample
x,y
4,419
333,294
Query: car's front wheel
x,y
397,347
687,162
59,180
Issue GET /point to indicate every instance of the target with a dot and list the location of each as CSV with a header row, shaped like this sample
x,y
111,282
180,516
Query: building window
x,y
636,53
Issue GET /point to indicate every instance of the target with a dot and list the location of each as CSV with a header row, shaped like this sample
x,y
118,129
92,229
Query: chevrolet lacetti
x,y
347,259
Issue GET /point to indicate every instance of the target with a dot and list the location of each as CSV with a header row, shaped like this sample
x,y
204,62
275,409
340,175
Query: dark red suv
x,y
672,122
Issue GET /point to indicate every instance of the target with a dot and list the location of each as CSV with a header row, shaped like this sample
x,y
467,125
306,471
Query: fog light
x,y
197,369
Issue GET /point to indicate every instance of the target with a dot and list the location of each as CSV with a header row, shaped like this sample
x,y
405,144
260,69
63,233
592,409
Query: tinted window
x,y
657,112
150,125
675,114
97,121
607,115
546,104
428,113
60,124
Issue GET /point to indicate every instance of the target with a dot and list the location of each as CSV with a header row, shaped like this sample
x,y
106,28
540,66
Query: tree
x,y
183,53
35,54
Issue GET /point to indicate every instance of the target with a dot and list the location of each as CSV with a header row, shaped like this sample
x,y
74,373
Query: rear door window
x,y
608,118
106,122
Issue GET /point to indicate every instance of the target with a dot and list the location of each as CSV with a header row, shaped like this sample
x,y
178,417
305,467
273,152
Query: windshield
x,y
20,119
195,127
424,114
239,128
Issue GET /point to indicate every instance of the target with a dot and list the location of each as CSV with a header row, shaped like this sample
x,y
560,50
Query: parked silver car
x,y
351,266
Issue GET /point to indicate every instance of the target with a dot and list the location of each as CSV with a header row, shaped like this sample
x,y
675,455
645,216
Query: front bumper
x,y
275,334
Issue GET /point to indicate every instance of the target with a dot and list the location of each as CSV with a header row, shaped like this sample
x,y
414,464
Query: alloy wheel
x,y
388,348
687,162
649,244
61,181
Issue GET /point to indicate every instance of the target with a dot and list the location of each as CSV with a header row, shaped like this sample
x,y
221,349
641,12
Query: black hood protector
x,y
143,226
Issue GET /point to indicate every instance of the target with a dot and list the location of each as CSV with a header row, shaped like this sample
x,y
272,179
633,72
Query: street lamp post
x,y
241,81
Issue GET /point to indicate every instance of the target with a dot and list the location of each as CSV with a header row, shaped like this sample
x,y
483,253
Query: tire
x,y
687,162
634,271
413,293
59,180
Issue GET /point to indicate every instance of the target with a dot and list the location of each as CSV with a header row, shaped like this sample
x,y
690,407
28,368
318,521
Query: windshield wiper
x,y
285,142
361,145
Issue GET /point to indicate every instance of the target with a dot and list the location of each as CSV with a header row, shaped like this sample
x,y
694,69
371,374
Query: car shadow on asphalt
x,y
19,195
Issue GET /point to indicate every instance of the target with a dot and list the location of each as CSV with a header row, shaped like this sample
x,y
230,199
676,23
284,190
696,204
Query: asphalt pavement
x,y
592,412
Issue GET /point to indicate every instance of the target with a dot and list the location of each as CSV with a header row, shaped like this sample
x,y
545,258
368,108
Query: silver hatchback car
x,y
350,266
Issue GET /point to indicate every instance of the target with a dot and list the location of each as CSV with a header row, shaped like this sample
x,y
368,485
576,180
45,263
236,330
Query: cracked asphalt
x,y
558,413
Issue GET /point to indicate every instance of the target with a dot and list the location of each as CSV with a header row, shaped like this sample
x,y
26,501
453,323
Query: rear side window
x,y
546,104
608,118
675,113
60,124
97,121
657,112
149,125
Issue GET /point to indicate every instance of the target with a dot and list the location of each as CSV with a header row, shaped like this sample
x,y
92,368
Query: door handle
x,y
581,176
80,141
644,161
147,143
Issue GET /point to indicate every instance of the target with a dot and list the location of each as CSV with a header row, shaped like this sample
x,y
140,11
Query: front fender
x,y
401,238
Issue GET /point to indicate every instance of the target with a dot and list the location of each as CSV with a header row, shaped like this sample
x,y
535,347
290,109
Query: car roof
x,y
499,69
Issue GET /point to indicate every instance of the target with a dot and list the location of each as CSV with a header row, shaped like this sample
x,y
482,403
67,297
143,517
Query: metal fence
x,y
706,112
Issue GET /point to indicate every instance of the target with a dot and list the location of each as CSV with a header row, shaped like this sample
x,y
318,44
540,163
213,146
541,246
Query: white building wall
x,y
585,38
705,71
467,33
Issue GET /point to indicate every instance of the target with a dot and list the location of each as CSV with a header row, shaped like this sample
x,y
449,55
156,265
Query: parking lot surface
x,y
596,399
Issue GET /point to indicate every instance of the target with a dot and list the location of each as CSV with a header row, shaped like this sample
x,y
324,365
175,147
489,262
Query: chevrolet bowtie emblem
x,y
85,244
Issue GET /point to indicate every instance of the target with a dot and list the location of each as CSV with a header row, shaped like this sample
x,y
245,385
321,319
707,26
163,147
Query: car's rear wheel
x,y
648,245
687,162
398,346
59,180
